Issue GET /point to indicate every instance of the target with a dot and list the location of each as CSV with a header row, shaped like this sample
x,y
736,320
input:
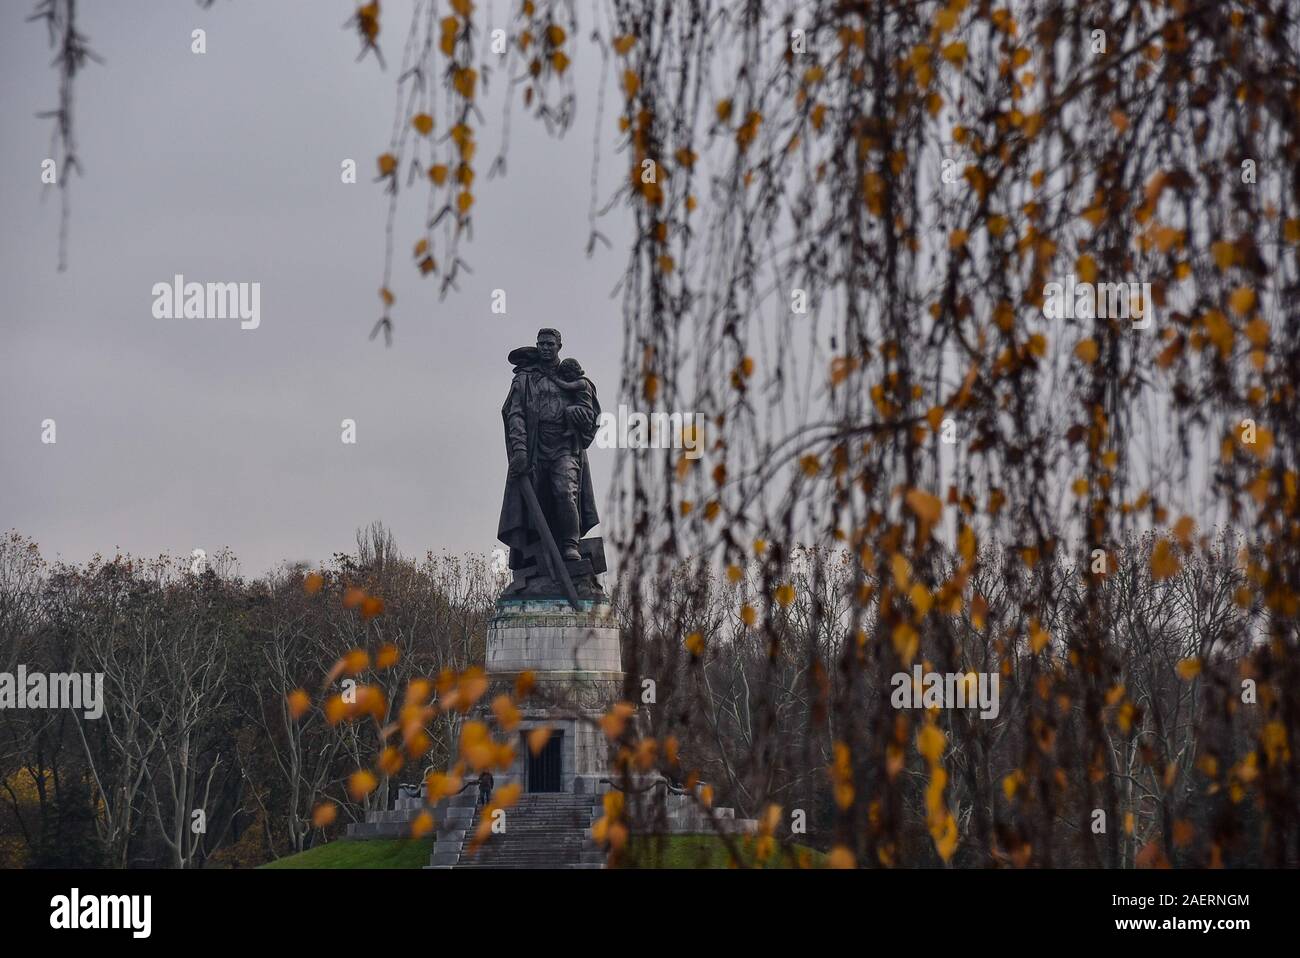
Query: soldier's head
x,y
548,345
571,370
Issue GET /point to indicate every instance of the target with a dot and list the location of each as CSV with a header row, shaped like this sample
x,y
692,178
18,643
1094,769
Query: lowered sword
x,y
552,551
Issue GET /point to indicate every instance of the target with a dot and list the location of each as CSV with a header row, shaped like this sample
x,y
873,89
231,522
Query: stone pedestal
x,y
577,664
575,658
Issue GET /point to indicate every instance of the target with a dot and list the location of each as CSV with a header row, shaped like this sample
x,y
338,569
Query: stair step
x,y
543,830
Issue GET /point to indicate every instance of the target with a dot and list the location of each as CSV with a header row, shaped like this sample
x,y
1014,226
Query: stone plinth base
x,y
576,662
549,636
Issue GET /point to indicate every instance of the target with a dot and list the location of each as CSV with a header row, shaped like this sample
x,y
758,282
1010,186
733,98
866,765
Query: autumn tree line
x,y
771,711
198,718
203,672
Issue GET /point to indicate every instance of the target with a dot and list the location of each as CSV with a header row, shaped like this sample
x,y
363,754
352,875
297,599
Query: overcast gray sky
x,y
224,167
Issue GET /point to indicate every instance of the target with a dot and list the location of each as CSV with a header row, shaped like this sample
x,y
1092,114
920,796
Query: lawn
x,y
703,851
673,851
373,853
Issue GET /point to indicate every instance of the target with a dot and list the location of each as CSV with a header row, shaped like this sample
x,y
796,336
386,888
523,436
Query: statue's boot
x,y
567,532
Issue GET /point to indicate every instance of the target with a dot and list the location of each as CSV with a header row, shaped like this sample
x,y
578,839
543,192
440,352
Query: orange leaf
x,y
926,506
1164,563
299,703
537,739
1242,300
361,784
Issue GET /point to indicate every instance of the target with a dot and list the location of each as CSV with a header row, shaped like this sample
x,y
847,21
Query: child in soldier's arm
x,y
572,380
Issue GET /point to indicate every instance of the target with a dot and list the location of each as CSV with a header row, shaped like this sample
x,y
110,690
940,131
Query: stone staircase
x,y
542,830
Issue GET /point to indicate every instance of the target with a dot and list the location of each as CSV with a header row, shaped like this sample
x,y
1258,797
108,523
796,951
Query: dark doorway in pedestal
x,y
544,767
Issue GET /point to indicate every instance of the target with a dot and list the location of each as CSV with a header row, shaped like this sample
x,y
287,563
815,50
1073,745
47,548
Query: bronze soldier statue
x,y
550,418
